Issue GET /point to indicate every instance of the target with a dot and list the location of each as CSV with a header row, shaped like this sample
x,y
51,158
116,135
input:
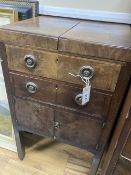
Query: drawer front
x,y
63,96
45,63
77,130
49,65
97,106
45,90
105,76
34,117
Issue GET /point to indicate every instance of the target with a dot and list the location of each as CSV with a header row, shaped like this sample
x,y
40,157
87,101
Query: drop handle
x,y
30,61
78,100
31,87
57,125
85,73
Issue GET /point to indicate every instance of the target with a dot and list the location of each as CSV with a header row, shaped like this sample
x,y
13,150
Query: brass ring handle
x,y
30,61
31,87
86,72
78,100
57,125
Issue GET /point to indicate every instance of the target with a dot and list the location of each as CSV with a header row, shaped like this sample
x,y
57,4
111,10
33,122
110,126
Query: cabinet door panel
x,y
32,116
78,130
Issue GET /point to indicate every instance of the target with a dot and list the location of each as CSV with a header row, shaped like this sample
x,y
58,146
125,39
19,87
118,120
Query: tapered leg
x,y
20,144
95,164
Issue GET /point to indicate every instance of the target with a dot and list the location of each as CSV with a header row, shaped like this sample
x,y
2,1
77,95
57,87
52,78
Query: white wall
x,y
123,6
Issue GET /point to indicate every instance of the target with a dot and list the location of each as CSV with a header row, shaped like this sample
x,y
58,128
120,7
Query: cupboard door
x,y
34,117
77,130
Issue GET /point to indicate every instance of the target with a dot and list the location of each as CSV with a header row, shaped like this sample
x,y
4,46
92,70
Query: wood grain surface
x,y
100,39
46,61
46,89
61,95
78,130
73,128
105,76
61,46
34,117
99,101
43,25
52,65
107,40
39,32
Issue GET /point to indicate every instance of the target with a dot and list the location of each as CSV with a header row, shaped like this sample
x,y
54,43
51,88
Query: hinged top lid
x,y
42,31
108,40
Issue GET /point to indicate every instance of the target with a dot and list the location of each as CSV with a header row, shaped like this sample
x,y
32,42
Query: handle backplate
x,y
86,72
30,61
78,100
31,87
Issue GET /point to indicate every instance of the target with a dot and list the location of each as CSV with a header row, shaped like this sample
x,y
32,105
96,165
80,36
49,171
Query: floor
x,y
45,157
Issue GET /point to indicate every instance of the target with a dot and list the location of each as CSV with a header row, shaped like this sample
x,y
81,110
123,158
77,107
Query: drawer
x,y
105,73
34,88
33,62
77,130
34,117
61,94
98,105
49,65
